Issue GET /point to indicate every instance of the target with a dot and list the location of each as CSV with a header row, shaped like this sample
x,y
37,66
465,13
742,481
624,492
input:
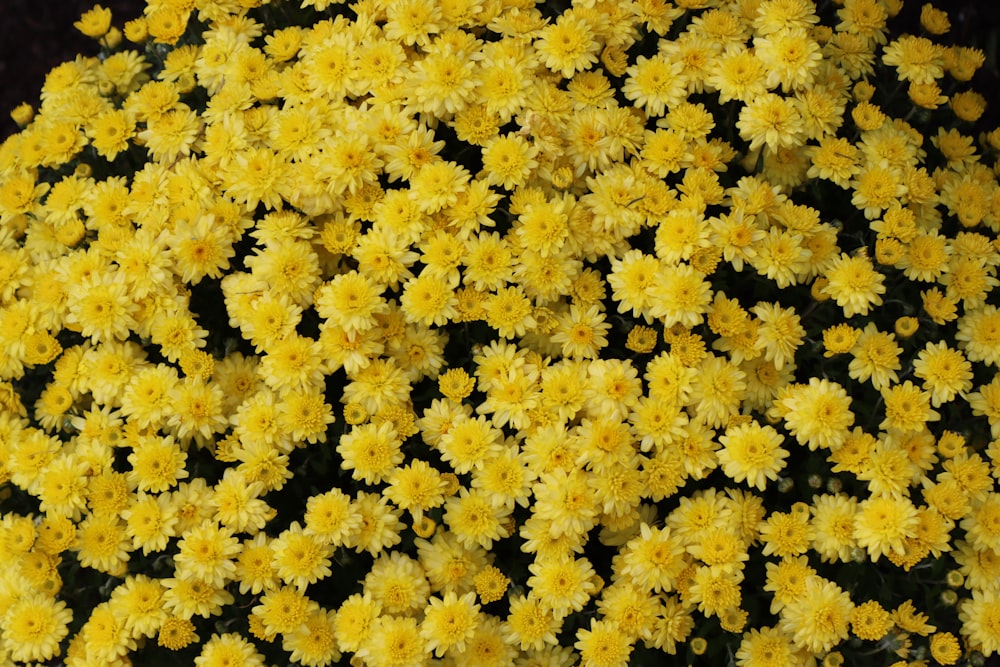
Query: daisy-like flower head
x,y
817,414
34,626
568,45
752,453
771,120
820,618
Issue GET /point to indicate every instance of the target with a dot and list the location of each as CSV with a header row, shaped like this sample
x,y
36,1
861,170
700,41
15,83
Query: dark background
x,y
37,35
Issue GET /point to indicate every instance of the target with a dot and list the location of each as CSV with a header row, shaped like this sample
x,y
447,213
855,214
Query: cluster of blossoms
x,y
474,332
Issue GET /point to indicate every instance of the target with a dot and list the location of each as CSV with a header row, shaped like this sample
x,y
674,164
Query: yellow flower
x,y
531,624
981,524
176,633
926,95
979,334
907,408
641,339
568,45
491,584
720,550
737,74
254,565
20,194
655,84
509,160
255,175
474,519
158,463
582,333
653,559
455,384
55,535
883,523
510,312
833,522
916,59
292,364
771,120
787,580
787,534
870,621
444,80
150,521
110,133
34,625
228,648
350,301
197,412
632,277
752,453
62,485
437,185
22,114
889,469
510,398
450,622
968,105
506,477
100,308
714,590
504,80
819,619
304,416
945,647
139,599
679,295
839,339
300,558
945,372
986,403
603,645
449,563
393,641
371,452
52,405
764,647
201,248
789,56
854,284
354,621
428,299
782,256
331,516
906,326
283,609
166,25
780,332
817,414
938,306
564,584
980,617
397,583
172,134
314,642
475,124
205,553
103,544
876,357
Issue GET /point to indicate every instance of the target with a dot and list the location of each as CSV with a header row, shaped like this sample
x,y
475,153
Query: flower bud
x,y
22,114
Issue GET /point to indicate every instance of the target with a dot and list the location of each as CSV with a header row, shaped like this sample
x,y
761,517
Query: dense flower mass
x,y
486,332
